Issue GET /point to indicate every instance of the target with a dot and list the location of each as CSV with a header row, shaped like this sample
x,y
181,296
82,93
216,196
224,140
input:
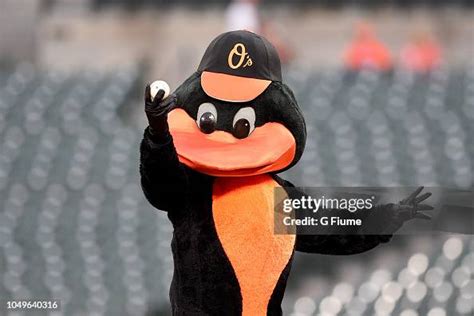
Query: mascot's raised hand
x,y
157,107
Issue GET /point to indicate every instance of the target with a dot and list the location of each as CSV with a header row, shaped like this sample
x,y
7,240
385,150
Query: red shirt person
x,y
366,51
421,54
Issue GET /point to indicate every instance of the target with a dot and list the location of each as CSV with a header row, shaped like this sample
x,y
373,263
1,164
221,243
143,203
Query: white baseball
x,y
157,86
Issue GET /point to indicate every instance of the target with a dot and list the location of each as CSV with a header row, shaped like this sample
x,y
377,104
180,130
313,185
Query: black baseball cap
x,y
238,66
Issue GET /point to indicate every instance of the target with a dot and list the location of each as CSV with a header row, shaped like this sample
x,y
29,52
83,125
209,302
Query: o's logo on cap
x,y
240,51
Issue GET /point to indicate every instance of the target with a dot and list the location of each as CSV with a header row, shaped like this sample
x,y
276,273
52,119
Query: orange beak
x,y
268,148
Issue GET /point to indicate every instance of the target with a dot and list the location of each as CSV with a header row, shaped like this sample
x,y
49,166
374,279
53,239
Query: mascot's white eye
x,y
243,123
206,118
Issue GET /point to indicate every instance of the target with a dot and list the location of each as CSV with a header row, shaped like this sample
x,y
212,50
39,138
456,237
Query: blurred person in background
x,y
366,50
284,49
421,54
244,15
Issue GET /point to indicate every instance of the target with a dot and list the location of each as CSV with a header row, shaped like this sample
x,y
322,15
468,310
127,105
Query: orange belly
x,y
243,211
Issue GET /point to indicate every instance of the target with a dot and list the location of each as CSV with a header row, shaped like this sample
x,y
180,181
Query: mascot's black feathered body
x,y
209,158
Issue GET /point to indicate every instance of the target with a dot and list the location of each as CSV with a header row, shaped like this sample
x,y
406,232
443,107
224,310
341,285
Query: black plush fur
x,y
204,282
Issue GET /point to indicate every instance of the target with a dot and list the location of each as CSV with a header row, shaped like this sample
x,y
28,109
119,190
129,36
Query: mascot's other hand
x,y
409,208
157,111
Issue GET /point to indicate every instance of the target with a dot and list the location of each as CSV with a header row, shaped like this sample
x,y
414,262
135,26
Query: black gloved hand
x,y
408,209
157,113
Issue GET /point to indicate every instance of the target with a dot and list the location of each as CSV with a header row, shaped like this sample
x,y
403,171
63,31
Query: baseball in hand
x,y
158,85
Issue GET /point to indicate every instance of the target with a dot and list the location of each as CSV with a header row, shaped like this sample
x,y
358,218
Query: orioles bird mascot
x,y
209,158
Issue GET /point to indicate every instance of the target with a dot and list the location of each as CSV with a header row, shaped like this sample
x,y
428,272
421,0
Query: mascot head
x,y
235,116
